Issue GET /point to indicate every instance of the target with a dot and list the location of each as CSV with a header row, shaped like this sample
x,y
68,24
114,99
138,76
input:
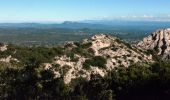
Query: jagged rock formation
x,y
158,41
111,51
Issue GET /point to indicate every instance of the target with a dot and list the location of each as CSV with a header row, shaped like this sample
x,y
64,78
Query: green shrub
x,y
91,51
72,57
86,45
114,49
56,67
77,44
87,64
82,52
97,61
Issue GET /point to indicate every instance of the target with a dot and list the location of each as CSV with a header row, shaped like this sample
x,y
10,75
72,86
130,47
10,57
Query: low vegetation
x,y
139,81
29,80
97,61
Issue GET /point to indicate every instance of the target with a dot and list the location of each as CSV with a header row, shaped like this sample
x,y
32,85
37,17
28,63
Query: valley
x,y
28,34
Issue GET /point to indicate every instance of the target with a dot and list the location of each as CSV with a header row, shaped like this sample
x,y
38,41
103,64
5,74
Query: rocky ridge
x,y
97,55
158,41
111,51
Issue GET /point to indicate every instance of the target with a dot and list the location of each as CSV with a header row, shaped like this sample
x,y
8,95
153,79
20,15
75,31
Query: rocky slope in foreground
x,y
96,55
32,72
158,41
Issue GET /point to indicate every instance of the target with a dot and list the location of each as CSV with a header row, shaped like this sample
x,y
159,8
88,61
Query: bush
x,y
97,61
87,64
87,45
114,49
77,44
82,52
32,81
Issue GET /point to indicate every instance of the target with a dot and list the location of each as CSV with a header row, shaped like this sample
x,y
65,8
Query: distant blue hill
x,y
67,24
95,24
51,34
114,23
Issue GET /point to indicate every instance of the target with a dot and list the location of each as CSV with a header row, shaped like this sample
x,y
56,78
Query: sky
x,y
76,10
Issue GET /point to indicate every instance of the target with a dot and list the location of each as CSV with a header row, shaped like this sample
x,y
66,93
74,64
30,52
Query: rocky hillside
x,y
97,55
115,70
158,41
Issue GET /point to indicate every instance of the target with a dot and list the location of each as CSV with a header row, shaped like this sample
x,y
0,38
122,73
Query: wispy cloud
x,y
145,17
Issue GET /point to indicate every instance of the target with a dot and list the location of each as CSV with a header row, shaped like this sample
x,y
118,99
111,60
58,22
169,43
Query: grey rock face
x,y
158,41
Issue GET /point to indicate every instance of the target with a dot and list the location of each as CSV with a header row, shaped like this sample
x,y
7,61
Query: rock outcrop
x,y
97,55
158,41
113,50
3,47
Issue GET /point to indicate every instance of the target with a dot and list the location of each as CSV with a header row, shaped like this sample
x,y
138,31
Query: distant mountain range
x,y
93,24
66,24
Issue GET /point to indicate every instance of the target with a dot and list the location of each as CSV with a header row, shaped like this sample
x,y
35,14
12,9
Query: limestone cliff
x,y
158,41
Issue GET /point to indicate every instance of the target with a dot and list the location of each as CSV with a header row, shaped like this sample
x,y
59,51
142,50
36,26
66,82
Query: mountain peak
x,y
158,41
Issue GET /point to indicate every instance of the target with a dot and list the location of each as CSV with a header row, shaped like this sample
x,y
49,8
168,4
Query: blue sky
x,y
74,10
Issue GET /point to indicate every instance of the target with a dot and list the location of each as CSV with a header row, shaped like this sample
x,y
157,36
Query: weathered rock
x,y
158,41
8,59
3,47
116,52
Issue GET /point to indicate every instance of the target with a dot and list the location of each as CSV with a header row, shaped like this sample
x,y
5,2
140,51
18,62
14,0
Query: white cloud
x,y
145,17
168,15
134,16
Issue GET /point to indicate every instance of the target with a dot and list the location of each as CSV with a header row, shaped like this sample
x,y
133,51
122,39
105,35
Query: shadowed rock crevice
x,y
164,47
